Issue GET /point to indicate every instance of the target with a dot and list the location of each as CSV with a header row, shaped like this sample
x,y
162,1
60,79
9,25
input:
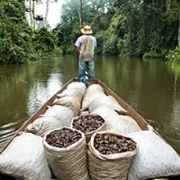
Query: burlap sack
x,y
68,163
74,89
61,113
93,92
71,93
43,124
155,158
24,158
121,124
77,85
108,101
108,167
70,102
104,112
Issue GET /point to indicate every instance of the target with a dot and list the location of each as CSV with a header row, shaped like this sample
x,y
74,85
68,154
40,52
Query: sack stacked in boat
x,y
108,101
66,153
74,89
71,97
63,114
55,117
89,124
110,155
24,158
42,125
122,124
93,92
155,158
104,112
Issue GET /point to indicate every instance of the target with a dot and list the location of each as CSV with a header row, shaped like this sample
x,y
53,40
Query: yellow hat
x,y
87,30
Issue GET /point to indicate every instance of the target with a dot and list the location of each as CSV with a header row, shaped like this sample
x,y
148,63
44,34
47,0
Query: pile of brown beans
x,y
111,143
88,123
63,138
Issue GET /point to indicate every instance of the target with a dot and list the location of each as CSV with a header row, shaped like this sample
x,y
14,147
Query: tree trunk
x,y
81,18
168,5
30,13
33,12
179,31
47,10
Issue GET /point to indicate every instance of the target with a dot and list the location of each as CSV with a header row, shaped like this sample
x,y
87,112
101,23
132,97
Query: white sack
x,y
43,124
93,92
155,158
109,101
61,113
77,85
71,93
69,102
94,88
104,112
25,158
74,89
121,124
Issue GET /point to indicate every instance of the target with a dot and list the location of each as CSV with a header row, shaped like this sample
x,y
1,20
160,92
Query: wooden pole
x,y
179,31
81,18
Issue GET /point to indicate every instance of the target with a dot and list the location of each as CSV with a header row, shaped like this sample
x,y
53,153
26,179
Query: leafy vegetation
x,y
147,29
174,55
19,42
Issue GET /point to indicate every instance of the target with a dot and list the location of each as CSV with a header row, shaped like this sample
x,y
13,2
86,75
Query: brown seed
x,y
108,143
88,123
63,138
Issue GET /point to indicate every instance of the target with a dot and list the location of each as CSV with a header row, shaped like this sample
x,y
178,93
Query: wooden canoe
x,y
130,111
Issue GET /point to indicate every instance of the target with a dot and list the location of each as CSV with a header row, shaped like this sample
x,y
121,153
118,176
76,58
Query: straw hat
x,y
87,30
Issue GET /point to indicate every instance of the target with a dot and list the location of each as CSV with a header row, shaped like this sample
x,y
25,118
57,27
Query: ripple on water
x,y
7,131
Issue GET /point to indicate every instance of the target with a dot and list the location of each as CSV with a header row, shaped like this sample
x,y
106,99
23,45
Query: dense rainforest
x,y
136,28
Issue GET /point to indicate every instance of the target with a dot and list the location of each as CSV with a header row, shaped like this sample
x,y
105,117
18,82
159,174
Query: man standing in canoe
x,y
85,46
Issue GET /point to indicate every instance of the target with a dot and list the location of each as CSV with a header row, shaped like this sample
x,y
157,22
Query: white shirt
x,y
87,44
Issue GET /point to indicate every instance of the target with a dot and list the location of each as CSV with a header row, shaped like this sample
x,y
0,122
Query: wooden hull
x,y
130,111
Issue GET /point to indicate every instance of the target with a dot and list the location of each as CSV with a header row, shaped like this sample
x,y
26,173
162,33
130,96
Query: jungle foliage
x,y
122,27
18,41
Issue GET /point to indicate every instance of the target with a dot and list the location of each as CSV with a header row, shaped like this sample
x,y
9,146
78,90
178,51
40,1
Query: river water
x,y
151,87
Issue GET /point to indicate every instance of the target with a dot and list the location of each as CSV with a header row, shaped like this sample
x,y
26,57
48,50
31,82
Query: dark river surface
x,y
151,87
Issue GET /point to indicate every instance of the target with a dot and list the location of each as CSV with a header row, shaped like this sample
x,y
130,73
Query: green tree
x,y
95,13
130,27
15,35
44,42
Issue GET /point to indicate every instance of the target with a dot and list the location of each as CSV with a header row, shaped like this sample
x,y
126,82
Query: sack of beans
x,y
108,101
65,150
77,85
88,124
24,158
155,157
63,114
110,155
122,124
74,89
42,125
104,112
73,103
71,93
93,92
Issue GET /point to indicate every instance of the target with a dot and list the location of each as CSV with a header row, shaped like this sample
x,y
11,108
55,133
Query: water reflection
x,y
151,87
40,92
